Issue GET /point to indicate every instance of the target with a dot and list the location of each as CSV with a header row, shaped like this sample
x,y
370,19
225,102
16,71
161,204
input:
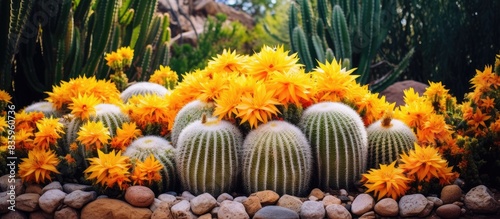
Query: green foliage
x,y
269,29
216,37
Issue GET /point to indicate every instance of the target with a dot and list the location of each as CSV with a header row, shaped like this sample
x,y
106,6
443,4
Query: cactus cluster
x,y
142,88
189,113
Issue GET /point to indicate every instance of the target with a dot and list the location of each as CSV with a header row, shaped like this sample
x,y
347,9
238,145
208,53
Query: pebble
x,y
78,198
330,199
40,215
336,211
291,202
387,207
344,198
203,203
275,212
34,188
437,201
448,211
113,209
239,199
13,215
27,202
450,194
252,205
71,187
167,198
224,196
412,205
6,182
187,196
53,185
162,211
368,215
267,197
312,210
427,210
480,200
66,213
317,193
343,192
362,204
155,204
51,199
139,196
232,209
182,210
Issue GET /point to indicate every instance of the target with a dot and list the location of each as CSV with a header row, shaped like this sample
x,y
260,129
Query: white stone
x,y
412,205
362,204
335,211
312,210
182,210
232,209
203,203
51,199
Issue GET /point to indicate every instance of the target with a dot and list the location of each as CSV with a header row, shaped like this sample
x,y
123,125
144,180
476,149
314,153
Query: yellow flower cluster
x,y
120,59
165,76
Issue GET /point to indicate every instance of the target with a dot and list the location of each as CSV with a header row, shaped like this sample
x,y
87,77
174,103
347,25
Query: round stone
x,y
139,196
362,204
450,194
336,211
448,211
387,207
275,212
312,210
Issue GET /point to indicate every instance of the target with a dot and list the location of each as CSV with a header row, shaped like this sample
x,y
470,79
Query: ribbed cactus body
x,y
277,156
47,108
189,113
208,156
163,151
339,143
143,88
387,140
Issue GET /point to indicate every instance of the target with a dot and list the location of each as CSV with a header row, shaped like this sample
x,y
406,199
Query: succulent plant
x,y
277,156
339,142
47,108
143,88
208,156
189,113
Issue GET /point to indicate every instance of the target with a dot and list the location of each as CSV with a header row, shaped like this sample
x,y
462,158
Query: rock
x,y
167,198
427,210
14,215
267,197
139,196
317,193
187,196
240,199
27,202
71,187
387,207
5,202
78,198
480,200
448,211
155,204
182,210
412,205
313,198
291,202
368,215
362,204
205,216
343,192
53,185
34,188
162,212
344,198
224,196
275,212
312,210
66,213
330,199
394,93
203,203
6,182
336,211
450,194
437,201
51,199
113,209
252,205
41,215
232,209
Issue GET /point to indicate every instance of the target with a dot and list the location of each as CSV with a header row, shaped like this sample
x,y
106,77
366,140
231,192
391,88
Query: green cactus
x,y
143,88
387,139
162,150
277,156
189,113
339,144
207,156
47,108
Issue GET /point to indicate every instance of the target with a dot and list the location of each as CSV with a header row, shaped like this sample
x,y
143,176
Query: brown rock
x,y
252,205
394,93
480,200
450,194
291,202
267,197
387,207
27,202
335,211
362,204
34,188
113,209
203,203
162,212
449,211
14,215
139,196
317,193
330,199
427,210
232,209
40,215
66,213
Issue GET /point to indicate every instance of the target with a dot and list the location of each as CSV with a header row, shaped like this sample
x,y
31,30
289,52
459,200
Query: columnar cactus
x,y
189,113
277,156
387,139
208,156
163,151
143,88
339,144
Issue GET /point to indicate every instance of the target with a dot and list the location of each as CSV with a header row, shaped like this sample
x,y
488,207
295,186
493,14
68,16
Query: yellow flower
x,y
165,76
487,103
108,169
258,106
5,97
49,130
483,80
212,87
332,82
425,163
388,181
269,60
149,171
228,62
291,86
125,135
478,119
150,109
38,166
416,111
114,60
3,124
433,130
83,106
93,134
24,140
127,55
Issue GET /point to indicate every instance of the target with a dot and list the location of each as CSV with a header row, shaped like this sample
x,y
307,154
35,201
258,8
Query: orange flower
x,y
258,106
83,106
332,82
109,169
147,170
125,135
291,86
478,118
38,166
49,131
24,140
388,181
269,60
93,134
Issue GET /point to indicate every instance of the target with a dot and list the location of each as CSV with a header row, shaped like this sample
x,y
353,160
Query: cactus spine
x,y
207,156
47,108
387,139
143,88
163,151
277,156
339,143
189,113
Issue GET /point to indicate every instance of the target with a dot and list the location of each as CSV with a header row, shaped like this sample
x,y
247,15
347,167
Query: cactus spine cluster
x,y
277,156
163,151
143,88
47,108
387,139
189,113
208,156
339,144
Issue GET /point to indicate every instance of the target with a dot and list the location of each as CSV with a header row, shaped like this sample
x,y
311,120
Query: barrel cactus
x,y
143,88
208,156
47,108
339,144
162,150
387,139
189,113
277,156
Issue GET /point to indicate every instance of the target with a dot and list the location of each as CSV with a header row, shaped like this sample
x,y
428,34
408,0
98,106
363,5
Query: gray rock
x,y
6,181
480,200
167,198
41,215
139,196
449,211
5,200
53,185
437,201
427,210
387,207
343,192
187,195
66,213
362,204
450,194
162,212
182,210
336,211
14,215
203,203
275,212
71,187
51,199
330,199
155,205
312,210
412,205
291,202
232,209
224,196
368,215
240,199
27,202
78,198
